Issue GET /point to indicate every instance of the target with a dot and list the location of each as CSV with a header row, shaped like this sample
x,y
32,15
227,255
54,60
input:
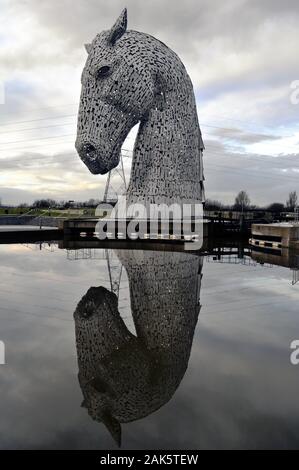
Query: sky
x,y
241,55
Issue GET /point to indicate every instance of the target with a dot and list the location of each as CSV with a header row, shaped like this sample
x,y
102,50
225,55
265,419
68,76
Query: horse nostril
x,y
88,148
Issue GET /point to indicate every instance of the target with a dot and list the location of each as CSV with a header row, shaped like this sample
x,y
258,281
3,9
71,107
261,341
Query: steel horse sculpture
x,y
130,77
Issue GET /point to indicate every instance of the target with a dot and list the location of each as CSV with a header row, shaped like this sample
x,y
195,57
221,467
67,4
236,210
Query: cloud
x,y
265,178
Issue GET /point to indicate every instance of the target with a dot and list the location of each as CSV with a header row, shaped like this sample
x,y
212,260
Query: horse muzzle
x,y
92,159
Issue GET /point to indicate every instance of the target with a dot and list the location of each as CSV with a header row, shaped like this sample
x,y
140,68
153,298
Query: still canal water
x,y
164,350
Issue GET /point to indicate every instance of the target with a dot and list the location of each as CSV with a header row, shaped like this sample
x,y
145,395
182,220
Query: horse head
x,y
119,87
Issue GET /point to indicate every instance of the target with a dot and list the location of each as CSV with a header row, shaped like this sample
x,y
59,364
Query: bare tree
x,y
242,201
211,205
44,203
292,201
276,207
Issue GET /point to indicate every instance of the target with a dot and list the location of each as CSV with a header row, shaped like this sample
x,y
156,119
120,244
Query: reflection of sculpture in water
x,y
125,377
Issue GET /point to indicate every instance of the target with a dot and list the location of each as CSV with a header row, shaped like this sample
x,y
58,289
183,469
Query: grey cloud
x,y
190,27
16,196
240,135
205,18
267,179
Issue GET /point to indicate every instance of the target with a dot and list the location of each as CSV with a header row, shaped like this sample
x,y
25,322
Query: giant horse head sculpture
x,y
131,77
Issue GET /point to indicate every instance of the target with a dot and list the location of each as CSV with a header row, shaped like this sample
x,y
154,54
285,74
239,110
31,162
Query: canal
x,y
146,350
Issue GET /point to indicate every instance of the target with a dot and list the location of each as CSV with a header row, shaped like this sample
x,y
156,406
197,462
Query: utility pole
x,y
114,267
113,188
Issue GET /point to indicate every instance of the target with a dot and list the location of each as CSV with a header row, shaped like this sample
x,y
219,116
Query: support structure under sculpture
x,y
130,77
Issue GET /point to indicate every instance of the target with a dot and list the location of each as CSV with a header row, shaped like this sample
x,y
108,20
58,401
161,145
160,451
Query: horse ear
x,y
119,28
112,425
88,48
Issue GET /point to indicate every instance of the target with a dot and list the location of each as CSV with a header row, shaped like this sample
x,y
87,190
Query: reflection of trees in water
x,y
125,377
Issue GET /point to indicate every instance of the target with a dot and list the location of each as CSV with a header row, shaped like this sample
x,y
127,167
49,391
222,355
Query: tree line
x,y
242,203
52,204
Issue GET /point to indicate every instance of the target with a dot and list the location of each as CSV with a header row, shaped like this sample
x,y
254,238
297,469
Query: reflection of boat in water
x,y
283,257
123,376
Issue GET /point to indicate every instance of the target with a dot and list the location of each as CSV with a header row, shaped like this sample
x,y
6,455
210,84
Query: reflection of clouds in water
x,y
249,386
250,305
44,281
257,405
9,249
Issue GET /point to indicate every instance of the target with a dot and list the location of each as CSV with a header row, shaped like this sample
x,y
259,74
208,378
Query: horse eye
x,y
103,71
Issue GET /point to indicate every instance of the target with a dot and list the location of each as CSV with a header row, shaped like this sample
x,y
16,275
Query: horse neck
x,y
167,155
164,294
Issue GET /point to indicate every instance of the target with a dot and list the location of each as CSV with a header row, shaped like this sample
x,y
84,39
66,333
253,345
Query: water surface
x,y
183,352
